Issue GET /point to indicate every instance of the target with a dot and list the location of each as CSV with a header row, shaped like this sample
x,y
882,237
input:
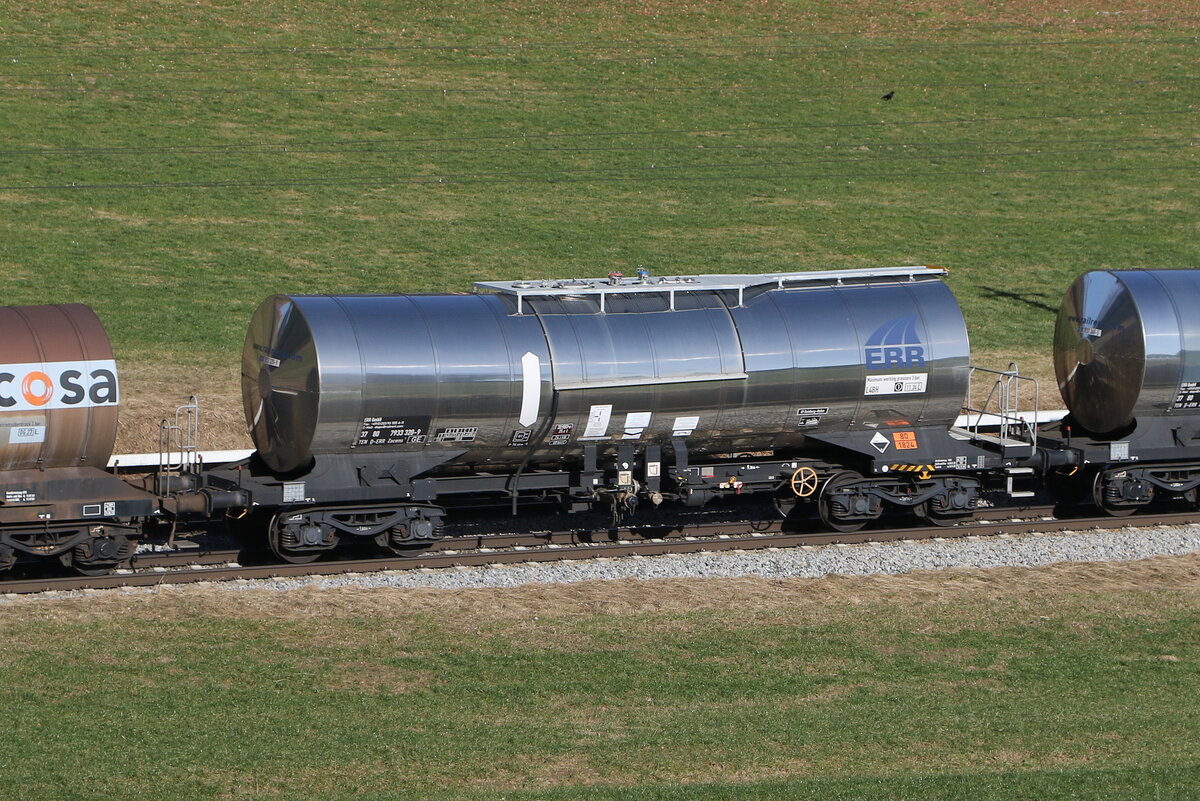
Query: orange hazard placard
x,y
905,440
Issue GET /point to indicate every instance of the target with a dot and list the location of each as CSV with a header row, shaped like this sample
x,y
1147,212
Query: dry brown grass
x,y
148,395
531,609
1037,366
872,17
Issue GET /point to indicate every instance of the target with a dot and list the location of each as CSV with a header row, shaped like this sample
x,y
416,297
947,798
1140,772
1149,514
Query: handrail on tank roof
x,y
616,283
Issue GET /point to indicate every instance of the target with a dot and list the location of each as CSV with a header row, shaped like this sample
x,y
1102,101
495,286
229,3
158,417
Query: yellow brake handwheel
x,y
804,482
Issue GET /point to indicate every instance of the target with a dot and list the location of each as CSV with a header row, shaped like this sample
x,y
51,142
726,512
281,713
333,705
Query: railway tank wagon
x,y
59,404
59,399
370,413
1127,360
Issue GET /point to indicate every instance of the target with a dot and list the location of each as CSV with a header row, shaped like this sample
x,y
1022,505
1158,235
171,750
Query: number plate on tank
x,y
900,384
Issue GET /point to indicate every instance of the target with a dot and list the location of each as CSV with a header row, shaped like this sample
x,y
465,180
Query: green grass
x,y
1064,688
173,165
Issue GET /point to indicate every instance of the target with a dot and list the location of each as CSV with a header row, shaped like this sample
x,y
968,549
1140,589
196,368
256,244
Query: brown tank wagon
x,y
59,393
59,401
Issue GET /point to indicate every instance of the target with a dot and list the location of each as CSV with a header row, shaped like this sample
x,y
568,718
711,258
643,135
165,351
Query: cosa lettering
x,y
37,389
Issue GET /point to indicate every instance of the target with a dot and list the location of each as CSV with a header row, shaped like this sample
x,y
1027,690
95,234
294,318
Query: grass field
x,y
172,165
1070,682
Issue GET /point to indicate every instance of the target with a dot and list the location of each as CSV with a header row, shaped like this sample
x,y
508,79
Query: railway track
x,y
192,566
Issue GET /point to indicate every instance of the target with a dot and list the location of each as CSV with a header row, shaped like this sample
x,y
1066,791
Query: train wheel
x,y
785,502
97,569
925,512
407,549
398,540
300,544
831,509
286,554
8,557
99,556
1103,504
1189,498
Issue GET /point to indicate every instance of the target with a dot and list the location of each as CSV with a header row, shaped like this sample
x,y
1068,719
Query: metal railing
x,y
1004,402
179,441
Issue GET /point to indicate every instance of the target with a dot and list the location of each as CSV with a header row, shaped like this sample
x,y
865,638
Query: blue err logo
x,y
895,345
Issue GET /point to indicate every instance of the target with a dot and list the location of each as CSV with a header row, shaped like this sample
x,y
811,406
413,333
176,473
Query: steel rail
x,y
494,549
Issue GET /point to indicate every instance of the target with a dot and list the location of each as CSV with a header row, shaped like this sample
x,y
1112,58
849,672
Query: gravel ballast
x,y
1027,550
867,559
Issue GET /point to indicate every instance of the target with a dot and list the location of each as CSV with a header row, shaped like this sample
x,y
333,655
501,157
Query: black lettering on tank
x,y
69,381
104,387
5,400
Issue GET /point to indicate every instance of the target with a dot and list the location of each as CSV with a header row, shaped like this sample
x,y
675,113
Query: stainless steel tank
x,y
1127,345
59,395
531,370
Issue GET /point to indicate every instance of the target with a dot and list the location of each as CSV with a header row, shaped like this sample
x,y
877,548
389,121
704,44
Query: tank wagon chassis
x,y
1004,471
836,394
91,537
1127,475
92,519
310,516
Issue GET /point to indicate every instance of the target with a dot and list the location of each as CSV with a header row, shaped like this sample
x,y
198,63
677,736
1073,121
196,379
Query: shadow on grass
x,y
1031,301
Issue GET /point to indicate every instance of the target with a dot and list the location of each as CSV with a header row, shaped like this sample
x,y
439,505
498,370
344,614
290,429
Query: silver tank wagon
x,y
529,371
1127,346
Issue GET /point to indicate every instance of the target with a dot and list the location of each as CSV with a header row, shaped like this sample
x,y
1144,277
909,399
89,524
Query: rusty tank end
x,y
59,394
